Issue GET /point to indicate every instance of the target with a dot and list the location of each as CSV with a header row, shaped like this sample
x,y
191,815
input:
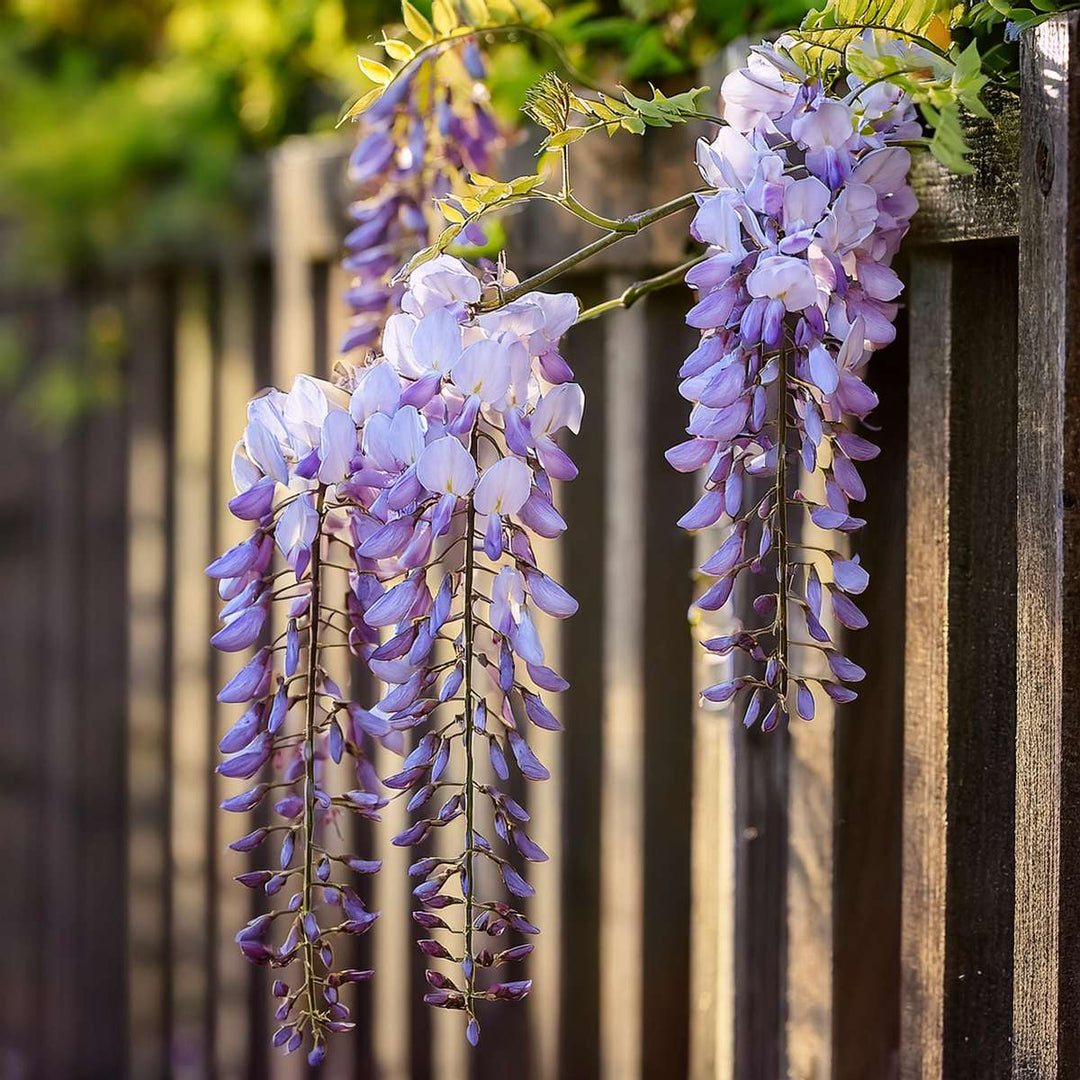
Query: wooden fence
x,y
887,891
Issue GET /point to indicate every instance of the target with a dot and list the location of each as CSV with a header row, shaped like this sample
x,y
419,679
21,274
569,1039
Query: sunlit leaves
x,y
468,205
551,103
912,50
828,33
378,73
431,38
416,24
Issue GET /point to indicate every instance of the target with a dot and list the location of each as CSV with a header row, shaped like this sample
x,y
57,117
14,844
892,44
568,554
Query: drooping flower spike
x,y
415,145
453,476
426,475
810,204
298,449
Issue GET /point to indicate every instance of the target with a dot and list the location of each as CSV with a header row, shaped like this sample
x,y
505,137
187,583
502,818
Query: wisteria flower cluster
x,y
414,144
811,202
429,473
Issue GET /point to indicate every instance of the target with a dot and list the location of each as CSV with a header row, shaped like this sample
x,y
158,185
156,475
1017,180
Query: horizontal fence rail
x,y
885,892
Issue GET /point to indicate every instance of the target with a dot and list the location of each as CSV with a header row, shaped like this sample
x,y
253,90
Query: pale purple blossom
x,y
810,203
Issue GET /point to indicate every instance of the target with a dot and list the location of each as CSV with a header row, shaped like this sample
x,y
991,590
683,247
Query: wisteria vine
x,y
438,459
426,472
811,202
414,146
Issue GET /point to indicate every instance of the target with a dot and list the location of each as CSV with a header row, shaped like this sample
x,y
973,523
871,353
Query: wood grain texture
x,y
981,205
960,681
926,672
811,856
1046,1010
868,757
622,780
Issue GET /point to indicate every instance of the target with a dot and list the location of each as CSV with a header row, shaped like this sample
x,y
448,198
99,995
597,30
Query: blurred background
x,y
172,203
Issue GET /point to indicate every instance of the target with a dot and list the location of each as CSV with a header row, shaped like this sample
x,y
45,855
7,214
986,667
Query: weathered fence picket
x,y
1046,1004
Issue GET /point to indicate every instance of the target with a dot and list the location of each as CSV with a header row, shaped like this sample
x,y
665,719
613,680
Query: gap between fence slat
x,y
193,621
148,524
234,385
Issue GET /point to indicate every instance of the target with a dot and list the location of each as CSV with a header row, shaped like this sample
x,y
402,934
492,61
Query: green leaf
x,y
416,24
376,72
398,50
360,105
564,138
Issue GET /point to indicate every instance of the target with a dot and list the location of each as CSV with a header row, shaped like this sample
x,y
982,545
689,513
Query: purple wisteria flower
x,y
457,427
288,471
414,143
810,204
426,474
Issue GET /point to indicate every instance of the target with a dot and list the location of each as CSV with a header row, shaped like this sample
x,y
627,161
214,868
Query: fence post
x,y
959,705
1046,1005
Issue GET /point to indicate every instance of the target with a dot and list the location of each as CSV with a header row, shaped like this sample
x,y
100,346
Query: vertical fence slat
x,y
234,384
148,523
98,733
811,855
582,707
712,918
23,643
925,734
960,698
1046,1007
193,619
868,765
622,777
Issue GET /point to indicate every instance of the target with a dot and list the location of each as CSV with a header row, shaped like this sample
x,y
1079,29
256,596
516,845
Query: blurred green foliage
x,y
126,124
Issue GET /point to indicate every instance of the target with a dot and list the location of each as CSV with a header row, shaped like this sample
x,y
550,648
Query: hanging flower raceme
x,y
811,202
288,470
458,426
415,145
429,471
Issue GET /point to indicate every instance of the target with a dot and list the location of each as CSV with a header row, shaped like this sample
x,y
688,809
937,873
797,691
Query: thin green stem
x,y
639,289
309,763
633,224
467,737
781,530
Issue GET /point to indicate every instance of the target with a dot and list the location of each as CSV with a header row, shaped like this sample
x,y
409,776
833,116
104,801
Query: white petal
x,y
446,467
560,312
830,124
439,282
297,525
562,406
407,434
376,442
805,201
483,369
378,392
504,487
263,449
884,170
244,471
337,445
397,342
437,341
